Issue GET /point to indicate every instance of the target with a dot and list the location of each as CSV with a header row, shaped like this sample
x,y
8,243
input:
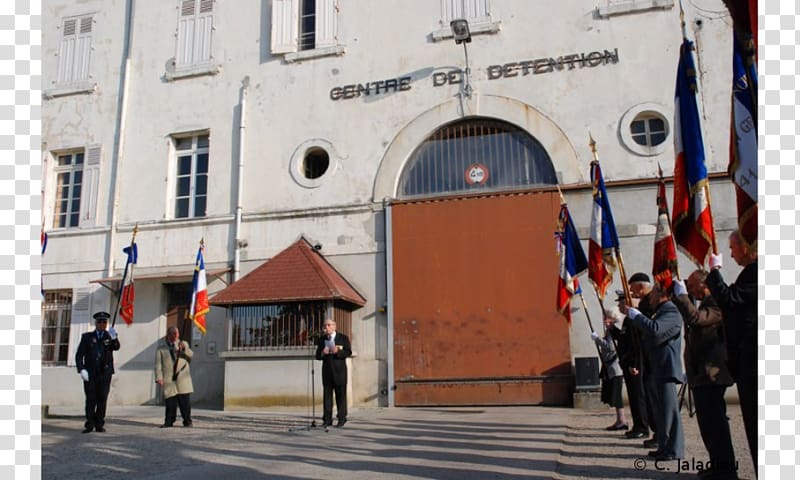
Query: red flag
x,y
128,295
691,218
199,307
665,260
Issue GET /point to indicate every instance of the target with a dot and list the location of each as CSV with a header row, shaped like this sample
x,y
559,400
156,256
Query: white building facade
x,y
251,124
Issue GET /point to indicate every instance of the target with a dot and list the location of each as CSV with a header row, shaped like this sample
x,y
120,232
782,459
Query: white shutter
x,y
79,323
474,11
205,27
83,50
66,52
326,34
186,26
285,18
90,186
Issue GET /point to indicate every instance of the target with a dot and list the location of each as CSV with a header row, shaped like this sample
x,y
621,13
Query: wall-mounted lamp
x,y
461,34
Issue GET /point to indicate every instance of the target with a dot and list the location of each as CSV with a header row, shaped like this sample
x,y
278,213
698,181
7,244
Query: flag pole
x,y
122,281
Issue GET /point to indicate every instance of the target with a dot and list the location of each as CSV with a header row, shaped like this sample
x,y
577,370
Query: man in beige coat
x,y
175,377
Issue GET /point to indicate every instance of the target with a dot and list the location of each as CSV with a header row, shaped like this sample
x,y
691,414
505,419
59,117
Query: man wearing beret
x,y
95,362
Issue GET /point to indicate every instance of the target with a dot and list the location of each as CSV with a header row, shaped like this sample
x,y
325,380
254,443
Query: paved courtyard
x,y
398,443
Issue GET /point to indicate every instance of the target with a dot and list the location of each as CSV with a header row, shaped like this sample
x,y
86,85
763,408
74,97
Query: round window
x,y
315,163
645,130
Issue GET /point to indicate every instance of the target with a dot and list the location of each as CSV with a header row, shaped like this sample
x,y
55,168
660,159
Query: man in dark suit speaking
x,y
333,348
95,362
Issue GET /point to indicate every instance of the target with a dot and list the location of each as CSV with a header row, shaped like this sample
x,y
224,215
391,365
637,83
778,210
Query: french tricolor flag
x,y
573,262
199,304
603,234
692,224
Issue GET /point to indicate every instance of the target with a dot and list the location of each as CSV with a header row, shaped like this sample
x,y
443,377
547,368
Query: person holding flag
x,y
199,302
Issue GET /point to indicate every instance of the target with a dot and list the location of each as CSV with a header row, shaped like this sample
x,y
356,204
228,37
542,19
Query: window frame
x,y
286,30
61,339
72,168
175,174
75,51
647,110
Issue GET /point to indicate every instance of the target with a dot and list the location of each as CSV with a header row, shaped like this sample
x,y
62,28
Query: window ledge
x,y
301,352
633,6
71,89
192,71
336,50
474,29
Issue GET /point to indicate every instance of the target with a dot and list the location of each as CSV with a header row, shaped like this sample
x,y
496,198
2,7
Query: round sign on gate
x,y
476,174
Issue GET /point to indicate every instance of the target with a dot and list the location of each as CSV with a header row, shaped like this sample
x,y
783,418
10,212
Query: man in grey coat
x,y
175,377
706,370
661,340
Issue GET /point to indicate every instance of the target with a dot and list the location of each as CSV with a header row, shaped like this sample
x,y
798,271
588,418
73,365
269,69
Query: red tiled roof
x,y
297,273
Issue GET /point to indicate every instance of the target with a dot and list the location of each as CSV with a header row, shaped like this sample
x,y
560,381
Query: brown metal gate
x,y
474,302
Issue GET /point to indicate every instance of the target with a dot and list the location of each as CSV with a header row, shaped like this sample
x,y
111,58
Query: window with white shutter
x,y
303,29
195,28
75,51
476,12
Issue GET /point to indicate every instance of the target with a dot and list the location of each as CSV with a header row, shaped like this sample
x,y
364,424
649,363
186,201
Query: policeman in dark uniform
x,y
95,362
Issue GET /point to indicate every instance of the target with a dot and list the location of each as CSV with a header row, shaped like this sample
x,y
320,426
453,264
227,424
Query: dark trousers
x,y
328,391
650,401
96,391
748,396
669,429
636,399
712,419
183,401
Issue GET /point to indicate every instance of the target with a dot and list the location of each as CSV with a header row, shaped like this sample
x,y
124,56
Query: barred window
x,y
476,155
56,320
283,325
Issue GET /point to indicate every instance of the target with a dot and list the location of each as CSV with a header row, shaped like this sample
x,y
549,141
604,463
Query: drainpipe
x,y
240,180
119,137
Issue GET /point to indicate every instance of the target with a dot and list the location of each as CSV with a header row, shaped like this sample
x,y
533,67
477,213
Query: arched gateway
x,y
473,271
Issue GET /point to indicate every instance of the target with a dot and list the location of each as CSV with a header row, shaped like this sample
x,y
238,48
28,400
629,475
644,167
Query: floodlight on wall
x,y
461,34
460,29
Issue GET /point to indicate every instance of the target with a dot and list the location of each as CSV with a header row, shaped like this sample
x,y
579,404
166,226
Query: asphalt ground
x,y
393,443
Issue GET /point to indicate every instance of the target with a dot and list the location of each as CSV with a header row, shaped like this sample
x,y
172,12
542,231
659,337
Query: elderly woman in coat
x,y
174,376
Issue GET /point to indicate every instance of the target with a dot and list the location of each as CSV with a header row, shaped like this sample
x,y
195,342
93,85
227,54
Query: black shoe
x,y
635,434
166,425
87,430
327,423
650,443
617,426
340,423
655,453
100,429
187,424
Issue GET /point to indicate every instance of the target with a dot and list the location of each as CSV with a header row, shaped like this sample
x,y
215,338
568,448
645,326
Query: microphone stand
x,y
313,424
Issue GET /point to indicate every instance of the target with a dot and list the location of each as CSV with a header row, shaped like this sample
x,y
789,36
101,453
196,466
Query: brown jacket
x,y
705,356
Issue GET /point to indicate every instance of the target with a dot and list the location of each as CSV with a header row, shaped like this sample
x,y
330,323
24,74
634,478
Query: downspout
x,y
237,229
119,137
